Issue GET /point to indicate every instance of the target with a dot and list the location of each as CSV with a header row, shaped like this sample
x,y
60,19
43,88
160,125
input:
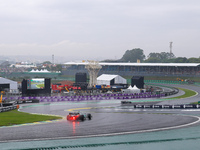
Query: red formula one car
x,y
76,116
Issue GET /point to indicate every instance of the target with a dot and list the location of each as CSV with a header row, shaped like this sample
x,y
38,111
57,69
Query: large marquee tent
x,y
8,84
108,79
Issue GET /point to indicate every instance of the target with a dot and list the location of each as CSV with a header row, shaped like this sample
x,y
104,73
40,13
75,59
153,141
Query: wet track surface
x,y
109,118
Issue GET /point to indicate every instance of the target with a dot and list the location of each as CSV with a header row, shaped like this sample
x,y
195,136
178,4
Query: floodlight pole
x,y
52,59
170,46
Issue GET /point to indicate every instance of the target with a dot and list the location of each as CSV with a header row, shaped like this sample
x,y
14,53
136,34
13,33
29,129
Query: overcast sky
x,y
99,29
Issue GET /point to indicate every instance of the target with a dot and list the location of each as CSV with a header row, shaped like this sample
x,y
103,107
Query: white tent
x,y
106,79
131,89
12,84
41,71
135,89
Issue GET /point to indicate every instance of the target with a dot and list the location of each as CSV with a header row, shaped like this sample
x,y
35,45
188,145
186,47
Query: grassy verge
x,y
40,86
14,117
188,93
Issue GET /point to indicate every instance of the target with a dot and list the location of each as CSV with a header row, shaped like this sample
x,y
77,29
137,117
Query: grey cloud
x,y
112,26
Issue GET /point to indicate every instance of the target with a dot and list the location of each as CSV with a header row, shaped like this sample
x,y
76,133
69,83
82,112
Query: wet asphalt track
x,y
109,118
104,121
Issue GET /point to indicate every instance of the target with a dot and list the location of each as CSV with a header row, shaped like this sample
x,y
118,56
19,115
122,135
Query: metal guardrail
x,y
170,82
8,108
165,82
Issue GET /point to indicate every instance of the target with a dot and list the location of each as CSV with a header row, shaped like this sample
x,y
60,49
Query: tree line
x,y
163,57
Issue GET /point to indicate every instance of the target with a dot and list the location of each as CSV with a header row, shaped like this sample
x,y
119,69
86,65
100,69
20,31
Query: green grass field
x,y
40,86
14,117
188,93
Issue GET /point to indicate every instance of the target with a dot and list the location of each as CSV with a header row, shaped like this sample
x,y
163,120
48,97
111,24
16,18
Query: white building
x,y
8,84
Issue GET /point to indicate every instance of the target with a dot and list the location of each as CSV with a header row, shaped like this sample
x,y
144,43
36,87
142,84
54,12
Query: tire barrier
x,y
174,91
8,108
182,106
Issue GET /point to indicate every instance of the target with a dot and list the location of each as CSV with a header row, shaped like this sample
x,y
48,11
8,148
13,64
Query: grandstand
x,y
140,69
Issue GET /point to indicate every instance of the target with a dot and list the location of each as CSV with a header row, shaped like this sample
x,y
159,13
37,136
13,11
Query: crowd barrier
x,y
89,97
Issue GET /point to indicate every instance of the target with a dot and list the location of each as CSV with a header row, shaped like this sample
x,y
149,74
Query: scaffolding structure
x,y
93,68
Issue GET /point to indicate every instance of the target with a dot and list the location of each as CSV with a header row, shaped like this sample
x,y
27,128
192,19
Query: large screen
x,y
36,83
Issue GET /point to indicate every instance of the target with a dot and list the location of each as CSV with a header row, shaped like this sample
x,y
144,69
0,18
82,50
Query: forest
x,y
163,57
